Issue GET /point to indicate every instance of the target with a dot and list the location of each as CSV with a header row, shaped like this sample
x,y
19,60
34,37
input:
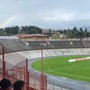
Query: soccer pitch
x,y
59,66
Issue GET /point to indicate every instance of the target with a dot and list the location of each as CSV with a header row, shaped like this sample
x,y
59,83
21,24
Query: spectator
x,y
5,84
19,85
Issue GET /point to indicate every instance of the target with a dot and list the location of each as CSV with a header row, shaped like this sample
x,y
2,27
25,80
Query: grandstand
x,y
57,44
16,52
18,45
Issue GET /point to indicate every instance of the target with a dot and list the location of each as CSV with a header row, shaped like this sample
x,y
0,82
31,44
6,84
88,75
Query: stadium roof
x,y
32,35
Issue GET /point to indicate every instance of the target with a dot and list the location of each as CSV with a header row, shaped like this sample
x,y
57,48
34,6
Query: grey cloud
x,y
33,12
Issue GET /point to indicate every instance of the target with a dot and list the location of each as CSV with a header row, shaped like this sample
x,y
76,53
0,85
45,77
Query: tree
x,y
81,33
75,29
34,30
24,29
12,30
50,32
87,34
7,30
2,32
64,31
86,30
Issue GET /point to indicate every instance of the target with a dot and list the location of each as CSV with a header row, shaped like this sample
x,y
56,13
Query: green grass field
x,y
59,66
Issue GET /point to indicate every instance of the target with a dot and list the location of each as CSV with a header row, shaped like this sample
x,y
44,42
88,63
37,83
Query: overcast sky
x,y
53,14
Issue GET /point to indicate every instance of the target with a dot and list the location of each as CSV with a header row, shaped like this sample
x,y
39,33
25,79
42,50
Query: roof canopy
x,y
32,35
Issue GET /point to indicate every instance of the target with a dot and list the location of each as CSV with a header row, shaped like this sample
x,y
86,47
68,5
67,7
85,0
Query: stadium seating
x,y
17,45
55,44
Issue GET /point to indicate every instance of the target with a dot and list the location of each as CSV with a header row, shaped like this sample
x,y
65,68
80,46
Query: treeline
x,y
20,30
75,33
69,33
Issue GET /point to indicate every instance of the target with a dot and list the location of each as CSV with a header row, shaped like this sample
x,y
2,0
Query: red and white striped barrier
x,y
79,59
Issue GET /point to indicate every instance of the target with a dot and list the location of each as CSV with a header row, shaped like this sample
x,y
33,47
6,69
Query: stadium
x,y
47,64
45,44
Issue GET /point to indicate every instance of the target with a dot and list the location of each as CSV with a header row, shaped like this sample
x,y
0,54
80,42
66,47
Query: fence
x,y
20,72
